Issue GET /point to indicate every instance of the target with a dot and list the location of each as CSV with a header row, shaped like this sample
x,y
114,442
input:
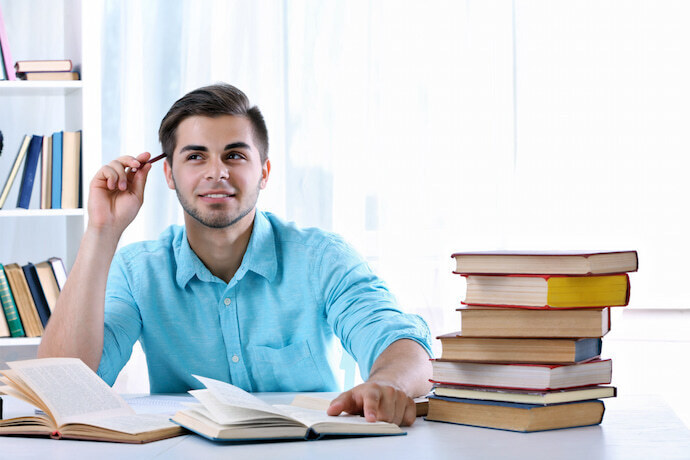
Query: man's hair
x,y
213,101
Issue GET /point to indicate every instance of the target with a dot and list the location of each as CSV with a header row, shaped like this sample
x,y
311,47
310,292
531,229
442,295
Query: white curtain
x,y
420,129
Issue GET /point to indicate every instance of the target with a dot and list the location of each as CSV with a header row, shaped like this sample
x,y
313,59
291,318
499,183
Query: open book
x,y
76,404
227,413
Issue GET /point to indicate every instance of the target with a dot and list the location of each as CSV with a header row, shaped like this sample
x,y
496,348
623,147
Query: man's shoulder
x,y
165,245
312,237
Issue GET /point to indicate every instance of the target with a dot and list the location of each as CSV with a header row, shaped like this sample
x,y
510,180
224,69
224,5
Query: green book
x,y
10,308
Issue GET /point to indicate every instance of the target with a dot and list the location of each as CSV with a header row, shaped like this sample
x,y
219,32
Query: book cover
x,y
27,184
56,181
23,148
48,76
5,46
46,65
525,396
71,167
4,329
515,416
59,271
9,306
37,293
477,321
49,285
25,303
46,171
545,262
548,291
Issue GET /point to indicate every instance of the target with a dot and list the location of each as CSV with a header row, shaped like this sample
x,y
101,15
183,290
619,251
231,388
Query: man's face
x,y
216,169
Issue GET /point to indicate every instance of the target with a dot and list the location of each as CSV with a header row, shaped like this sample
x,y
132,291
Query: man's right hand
x,y
116,194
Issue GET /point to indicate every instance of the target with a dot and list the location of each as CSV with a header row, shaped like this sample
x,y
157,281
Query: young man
x,y
236,294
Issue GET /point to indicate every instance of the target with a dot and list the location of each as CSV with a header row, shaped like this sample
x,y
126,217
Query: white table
x,y
634,427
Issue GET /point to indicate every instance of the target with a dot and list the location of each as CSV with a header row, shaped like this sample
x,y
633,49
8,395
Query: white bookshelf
x,y
48,29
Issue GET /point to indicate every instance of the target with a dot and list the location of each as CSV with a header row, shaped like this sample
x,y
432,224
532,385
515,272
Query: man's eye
x,y
234,156
193,156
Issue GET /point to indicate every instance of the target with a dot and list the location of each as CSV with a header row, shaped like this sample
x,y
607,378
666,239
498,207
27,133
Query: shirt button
x,y
235,359
227,301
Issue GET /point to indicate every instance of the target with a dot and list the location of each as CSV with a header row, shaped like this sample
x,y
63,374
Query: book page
x,y
131,423
311,417
70,389
233,396
225,414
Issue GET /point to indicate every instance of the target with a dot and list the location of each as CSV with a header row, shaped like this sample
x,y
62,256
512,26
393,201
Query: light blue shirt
x,y
276,326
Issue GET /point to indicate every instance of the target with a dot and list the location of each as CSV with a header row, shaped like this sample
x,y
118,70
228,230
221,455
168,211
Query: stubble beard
x,y
217,219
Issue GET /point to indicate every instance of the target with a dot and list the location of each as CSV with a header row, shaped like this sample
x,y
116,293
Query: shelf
x,y
39,88
19,341
41,212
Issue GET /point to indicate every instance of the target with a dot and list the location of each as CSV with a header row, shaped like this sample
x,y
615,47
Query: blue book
x,y
27,184
37,292
56,200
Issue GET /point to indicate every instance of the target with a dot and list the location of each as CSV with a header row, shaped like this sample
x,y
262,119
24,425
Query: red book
x,y
522,376
5,47
548,291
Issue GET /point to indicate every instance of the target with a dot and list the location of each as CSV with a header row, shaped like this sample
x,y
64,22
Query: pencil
x,y
153,160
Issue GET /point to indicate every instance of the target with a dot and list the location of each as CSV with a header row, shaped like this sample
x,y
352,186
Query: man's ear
x,y
265,171
167,170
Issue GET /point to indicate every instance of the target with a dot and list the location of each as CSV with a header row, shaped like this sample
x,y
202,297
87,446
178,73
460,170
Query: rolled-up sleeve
x,y
122,322
363,313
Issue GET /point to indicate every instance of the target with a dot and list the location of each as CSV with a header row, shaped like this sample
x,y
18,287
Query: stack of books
x,y
45,70
28,295
59,157
528,355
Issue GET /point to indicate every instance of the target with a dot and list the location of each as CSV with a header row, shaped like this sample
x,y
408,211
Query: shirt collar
x,y
260,256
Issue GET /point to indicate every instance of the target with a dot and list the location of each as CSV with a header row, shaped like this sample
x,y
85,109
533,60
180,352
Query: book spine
x,y
27,184
15,169
56,198
46,172
9,307
37,293
5,45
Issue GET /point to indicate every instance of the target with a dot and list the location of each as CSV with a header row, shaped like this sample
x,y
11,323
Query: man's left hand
x,y
376,401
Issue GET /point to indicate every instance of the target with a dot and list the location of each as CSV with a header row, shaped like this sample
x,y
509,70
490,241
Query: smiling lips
x,y
216,195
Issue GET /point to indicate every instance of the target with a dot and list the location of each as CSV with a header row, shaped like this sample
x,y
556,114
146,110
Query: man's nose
x,y
217,170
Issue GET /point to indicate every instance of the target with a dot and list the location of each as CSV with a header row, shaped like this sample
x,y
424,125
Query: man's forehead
x,y
223,130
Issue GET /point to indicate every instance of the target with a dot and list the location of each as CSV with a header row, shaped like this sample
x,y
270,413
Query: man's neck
x,y
220,249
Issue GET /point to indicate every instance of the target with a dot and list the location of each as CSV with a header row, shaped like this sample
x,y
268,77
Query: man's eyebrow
x,y
198,148
237,145
201,148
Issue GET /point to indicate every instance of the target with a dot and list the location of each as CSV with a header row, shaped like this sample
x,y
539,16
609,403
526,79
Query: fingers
x,y
376,402
117,174
345,402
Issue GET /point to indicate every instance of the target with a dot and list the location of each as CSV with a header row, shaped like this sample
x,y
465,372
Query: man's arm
x,y
75,328
400,373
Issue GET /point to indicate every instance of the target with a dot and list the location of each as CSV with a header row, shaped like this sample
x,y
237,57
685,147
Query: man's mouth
x,y
217,195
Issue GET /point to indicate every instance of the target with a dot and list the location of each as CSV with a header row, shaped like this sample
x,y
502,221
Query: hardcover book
x,y
545,263
71,167
75,404
9,306
548,291
515,416
37,293
56,181
48,76
25,303
456,347
523,376
27,184
54,65
46,171
477,321
46,278
525,396
23,148
228,413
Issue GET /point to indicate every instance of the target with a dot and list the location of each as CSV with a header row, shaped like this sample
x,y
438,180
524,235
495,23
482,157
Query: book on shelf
x,y
456,347
4,330
228,413
5,47
26,186
59,271
71,167
25,303
76,404
19,159
478,321
48,76
37,294
46,171
9,306
548,291
45,65
48,282
515,416
3,73
523,376
545,263
525,396
56,181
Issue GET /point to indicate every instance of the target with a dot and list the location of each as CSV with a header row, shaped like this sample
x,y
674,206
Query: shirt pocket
x,y
290,368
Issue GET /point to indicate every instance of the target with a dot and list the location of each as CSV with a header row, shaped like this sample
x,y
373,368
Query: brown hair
x,y
213,101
